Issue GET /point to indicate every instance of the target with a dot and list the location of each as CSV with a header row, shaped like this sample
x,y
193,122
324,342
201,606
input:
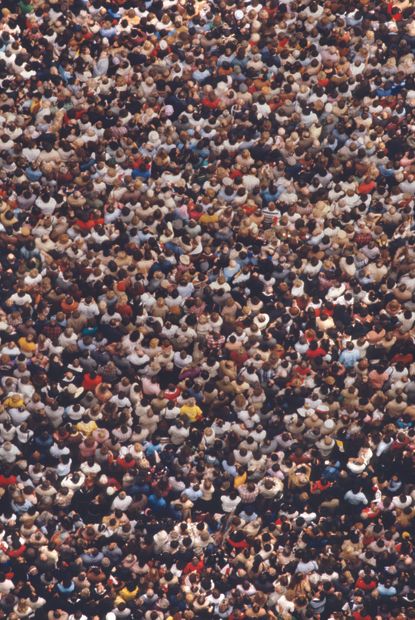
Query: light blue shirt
x,y
349,358
356,498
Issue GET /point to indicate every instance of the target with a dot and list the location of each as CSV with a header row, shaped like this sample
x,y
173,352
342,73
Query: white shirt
x,y
228,504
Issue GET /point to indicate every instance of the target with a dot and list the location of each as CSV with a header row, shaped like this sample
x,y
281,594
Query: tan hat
x,y
185,260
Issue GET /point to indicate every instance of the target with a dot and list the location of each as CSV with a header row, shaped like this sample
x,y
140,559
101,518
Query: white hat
x,y
261,320
153,137
323,408
239,14
329,425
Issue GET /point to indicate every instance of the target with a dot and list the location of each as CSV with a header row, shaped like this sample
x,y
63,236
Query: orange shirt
x,y
67,308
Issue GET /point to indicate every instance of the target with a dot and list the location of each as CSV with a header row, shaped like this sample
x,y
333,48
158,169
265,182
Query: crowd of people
x,y
207,269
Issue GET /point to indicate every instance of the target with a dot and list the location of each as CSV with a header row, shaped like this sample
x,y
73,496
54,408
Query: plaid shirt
x,y
363,238
52,331
266,375
247,497
215,342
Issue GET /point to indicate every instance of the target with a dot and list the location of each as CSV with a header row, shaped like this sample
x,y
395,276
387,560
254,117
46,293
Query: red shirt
x,y
211,104
125,310
239,358
398,16
6,480
90,384
249,209
402,357
125,465
241,544
235,173
366,188
370,513
299,370
194,214
122,285
191,568
172,395
319,486
319,352
78,115
327,311
16,553
366,587
89,224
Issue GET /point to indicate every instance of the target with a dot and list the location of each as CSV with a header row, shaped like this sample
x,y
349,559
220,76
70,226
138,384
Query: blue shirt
x,y
33,175
384,591
156,503
151,448
349,358
192,494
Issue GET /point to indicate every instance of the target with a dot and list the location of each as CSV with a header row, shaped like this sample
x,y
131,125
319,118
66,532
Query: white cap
x,y
239,14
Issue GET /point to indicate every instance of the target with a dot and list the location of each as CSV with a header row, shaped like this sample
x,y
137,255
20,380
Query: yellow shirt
x,y
193,412
87,427
13,404
24,345
127,595
206,218
239,480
